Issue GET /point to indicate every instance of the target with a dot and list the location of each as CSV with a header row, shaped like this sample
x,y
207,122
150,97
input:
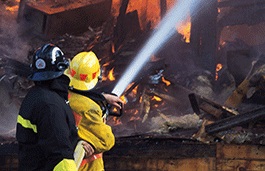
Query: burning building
x,y
195,104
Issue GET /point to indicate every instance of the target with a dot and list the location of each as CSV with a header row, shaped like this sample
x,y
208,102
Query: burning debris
x,y
158,99
173,96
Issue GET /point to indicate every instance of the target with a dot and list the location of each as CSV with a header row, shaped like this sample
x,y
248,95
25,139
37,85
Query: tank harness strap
x,y
91,158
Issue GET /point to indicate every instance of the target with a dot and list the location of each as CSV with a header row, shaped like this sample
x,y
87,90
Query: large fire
x,y
145,99
149,12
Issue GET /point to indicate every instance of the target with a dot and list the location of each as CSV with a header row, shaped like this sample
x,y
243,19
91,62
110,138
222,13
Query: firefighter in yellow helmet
x,y
84,73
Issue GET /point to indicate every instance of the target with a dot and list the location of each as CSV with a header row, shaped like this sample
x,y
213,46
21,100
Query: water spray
x,y
165,30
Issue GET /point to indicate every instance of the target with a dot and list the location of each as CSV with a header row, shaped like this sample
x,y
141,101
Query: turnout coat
x,y
92,129
46,130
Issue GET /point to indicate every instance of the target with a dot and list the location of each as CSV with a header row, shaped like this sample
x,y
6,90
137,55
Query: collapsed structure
x,y
180,109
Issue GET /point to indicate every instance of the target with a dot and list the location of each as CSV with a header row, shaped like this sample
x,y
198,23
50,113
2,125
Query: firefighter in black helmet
x,y
46,131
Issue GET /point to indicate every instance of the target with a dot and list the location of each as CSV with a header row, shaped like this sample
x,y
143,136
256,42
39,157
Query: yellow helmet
x,y
84,71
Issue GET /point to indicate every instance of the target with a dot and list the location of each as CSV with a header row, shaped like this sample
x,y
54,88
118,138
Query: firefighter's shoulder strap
x,y
93,95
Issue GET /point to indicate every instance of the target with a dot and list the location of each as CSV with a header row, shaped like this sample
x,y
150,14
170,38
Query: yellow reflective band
x,y
26,123
66,165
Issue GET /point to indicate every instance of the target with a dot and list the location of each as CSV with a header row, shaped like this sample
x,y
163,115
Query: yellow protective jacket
x,y
92,128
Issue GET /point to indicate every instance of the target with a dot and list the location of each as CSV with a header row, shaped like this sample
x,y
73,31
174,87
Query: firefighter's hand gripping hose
x,y
79,153
113,100
82,150
113,107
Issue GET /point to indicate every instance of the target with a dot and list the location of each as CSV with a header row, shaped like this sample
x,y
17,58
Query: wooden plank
x,y
153,164
160,148
236,120
243,152
119,31
210,107
240,165
163,8
49,22
159,154
203,38
232,157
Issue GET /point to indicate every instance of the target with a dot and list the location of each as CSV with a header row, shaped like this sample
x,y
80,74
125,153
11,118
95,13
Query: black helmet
x,y
48,63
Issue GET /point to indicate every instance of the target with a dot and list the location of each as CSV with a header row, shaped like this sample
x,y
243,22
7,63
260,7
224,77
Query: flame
x,y
156,98
148,11
166,81
123,98
111,75
116,121
113,48
218,68
135,116
135,90
149,14
141,99
12,9
184,29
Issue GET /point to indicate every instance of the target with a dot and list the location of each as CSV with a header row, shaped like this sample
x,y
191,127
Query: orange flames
x,y
218,68
14,8
111,75
149,13
156,98
184,29
166,81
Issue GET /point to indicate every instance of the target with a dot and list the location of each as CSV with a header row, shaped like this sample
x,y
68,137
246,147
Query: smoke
x,y
15,47
12,45
165,30
9,111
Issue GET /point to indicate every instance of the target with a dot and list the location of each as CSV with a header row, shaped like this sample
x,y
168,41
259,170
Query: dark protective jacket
x,y
46,131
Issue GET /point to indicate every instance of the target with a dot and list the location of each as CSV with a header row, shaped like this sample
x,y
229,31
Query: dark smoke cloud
x,y
12,45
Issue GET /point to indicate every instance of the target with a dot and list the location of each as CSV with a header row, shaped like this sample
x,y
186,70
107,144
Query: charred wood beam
x,y
194,104
49,20
119,32
153,146
163,8
21,9
203,38
237,120
256,71
211,107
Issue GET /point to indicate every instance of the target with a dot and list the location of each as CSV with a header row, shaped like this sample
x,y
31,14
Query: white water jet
x,y
166,29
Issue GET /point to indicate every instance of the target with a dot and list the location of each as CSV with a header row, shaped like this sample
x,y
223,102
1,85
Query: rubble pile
x,y
172,96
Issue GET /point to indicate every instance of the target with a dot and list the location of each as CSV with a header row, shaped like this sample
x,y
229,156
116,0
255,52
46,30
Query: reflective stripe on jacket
x,y
46,131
